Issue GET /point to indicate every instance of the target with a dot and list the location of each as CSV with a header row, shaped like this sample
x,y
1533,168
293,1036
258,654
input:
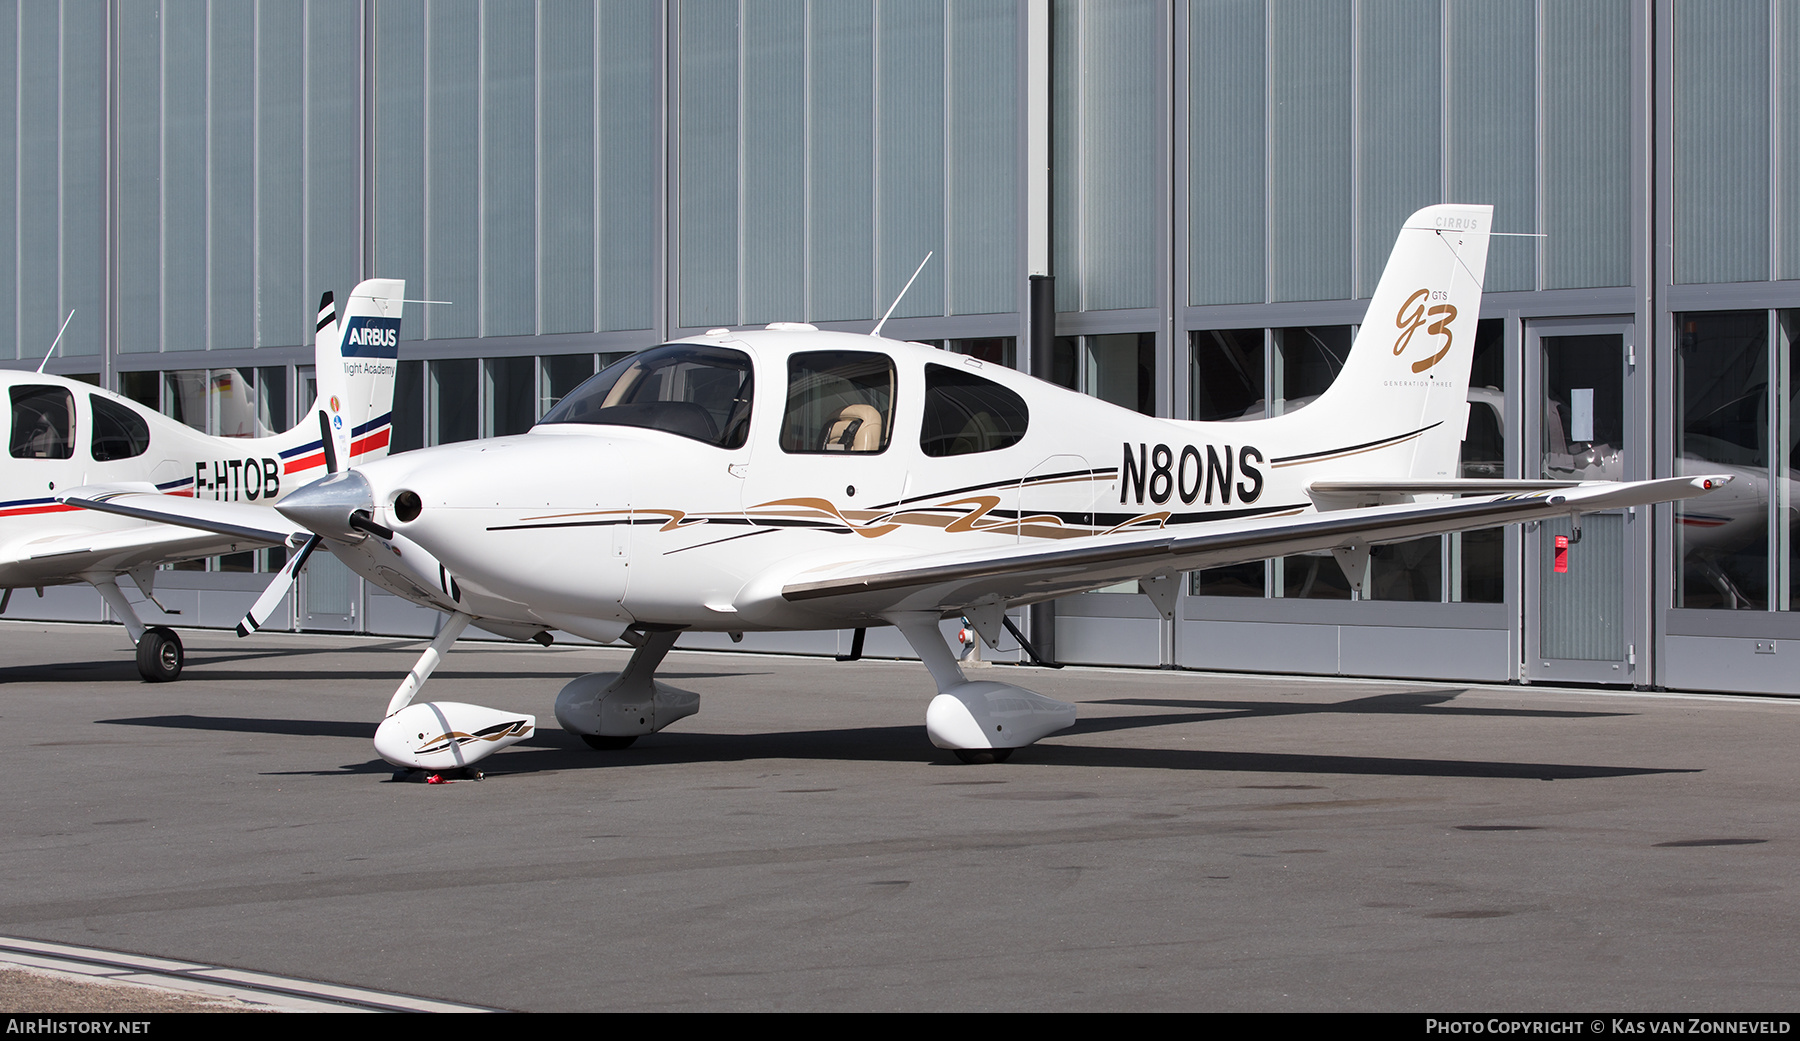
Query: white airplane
x,y
789,478
66,434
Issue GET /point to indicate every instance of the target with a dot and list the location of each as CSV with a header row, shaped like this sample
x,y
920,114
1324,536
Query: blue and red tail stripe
x,y
25,507
306,457
371,435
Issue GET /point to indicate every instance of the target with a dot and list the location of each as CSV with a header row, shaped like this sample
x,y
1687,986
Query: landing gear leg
x,y
981,721
159,651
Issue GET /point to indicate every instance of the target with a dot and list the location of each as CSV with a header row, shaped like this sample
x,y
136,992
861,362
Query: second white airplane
x,y
789,478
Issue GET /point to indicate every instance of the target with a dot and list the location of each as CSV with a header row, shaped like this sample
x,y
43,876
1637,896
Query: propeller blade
x,y
278,588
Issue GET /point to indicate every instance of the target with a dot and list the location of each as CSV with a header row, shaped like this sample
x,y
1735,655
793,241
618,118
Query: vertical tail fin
x,y
356,361
1408,372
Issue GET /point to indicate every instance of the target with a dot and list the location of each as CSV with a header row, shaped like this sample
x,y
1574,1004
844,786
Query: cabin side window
x,y
965,413
839,401
43,423
119,433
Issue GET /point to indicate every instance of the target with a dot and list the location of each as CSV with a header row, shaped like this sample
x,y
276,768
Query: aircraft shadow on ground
x,y
1419,703
551,750
126,671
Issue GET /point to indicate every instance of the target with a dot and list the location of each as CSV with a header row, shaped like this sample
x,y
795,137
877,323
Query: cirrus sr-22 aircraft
x,y
789,478
65,434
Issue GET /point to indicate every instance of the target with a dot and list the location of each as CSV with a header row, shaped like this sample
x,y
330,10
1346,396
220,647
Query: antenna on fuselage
x,y
71,318
915,277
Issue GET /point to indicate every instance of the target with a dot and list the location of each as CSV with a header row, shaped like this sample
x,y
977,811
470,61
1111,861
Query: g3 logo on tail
x,y
1413,314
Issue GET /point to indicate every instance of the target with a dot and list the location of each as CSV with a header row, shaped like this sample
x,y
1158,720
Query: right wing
x,y
948,582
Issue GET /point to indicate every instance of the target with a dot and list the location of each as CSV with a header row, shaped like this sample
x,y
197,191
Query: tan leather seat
x,y
856,428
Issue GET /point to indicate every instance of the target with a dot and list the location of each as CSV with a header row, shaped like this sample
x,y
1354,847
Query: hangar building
x,y
1211,187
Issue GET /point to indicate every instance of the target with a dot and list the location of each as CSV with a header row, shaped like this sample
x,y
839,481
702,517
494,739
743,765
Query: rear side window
x,y
119,433
965,413
43,423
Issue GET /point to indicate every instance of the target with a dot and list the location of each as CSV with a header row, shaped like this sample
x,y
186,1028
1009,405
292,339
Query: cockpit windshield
x,y
690,389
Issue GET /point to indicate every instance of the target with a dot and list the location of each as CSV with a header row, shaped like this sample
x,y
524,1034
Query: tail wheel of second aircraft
x,y
159,655
607,742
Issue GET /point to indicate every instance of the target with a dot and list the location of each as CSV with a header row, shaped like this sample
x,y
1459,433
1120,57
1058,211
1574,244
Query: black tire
x,y
982,756
607,742
159,655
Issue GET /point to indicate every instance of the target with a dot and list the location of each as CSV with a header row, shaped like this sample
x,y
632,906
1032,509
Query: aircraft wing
x,y
122,549
241,524
954,581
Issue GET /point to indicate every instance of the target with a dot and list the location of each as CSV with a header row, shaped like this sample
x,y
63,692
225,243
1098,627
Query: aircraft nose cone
x,y
326,506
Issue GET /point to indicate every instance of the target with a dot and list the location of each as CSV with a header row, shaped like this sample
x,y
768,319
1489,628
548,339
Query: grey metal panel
x,y
452,151
1309,152
137,326
333,157
9,174
841,132
389,615
1123,120
1787,133
630,146
706,115
398,162
1586,144
1729,664
1065,152
60,604
1721,146
1491,126
509,167
566,148
1256,647
1226,77
39,244
86,69
1582,612
1109,641
1471,655
231,154
984,114
772,262
1399,69
281,320
184,196
910,71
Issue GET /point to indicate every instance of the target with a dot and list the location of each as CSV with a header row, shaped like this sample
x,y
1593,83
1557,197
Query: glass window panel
x,y
233,402
409,408
512,395
563,373
454,412
996,350
272,399
1121,368
1722,388
1235,580
1225,374
1476,556
1309,359
142,387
